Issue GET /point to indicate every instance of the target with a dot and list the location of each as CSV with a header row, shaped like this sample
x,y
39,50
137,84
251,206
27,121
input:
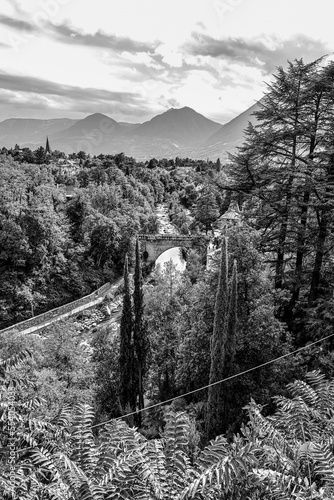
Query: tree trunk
x,y
320,248
140,396
300,249
282,237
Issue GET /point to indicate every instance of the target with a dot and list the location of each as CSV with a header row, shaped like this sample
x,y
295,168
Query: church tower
x,y
47,147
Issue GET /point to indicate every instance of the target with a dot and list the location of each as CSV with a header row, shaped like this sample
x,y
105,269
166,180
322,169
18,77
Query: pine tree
x,y
207,209
284,170
126,358
140,339
39,155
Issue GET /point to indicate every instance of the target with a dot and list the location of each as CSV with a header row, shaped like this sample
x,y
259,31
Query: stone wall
x,y
42,320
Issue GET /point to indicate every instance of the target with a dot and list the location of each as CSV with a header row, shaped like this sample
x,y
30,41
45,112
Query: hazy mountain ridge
x,y
184,126
226,139
30,131
176,132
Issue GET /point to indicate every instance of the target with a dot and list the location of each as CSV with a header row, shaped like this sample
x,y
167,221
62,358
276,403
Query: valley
x,y
177,132
120,378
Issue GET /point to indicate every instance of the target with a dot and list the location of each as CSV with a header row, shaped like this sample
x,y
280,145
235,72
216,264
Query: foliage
x,y
218,344
104,363
60,371
56,248
161,313
283,172
140,338
286,455
207,209
222,345
127,393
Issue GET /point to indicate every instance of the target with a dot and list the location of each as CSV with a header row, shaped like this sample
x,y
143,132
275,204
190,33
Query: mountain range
x,y
176,132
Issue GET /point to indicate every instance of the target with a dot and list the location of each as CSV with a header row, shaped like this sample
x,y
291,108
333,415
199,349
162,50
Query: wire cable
x,y
215,383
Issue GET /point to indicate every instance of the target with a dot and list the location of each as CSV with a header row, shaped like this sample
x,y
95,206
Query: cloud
x,y
24,92
66,34
168,103
23,100
17,24
44,87
18,104
266,52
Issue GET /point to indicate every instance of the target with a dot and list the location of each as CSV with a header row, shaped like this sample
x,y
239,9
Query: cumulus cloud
x,y
265,52
168,103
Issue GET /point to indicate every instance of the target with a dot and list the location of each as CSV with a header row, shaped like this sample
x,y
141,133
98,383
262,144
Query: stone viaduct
x,y
152,246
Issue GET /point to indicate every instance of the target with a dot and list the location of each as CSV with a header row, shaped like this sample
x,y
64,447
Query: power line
x,y
216,383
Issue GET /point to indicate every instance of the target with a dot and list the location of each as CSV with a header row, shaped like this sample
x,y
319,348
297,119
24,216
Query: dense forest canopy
x,y
264,300
56,246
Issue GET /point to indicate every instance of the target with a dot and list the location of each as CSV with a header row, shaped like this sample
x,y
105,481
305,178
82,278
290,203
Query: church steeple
x,y
47,147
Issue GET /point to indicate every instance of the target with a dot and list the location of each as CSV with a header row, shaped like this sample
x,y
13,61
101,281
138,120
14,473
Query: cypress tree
x,y
231,324
223,346
126,361
140,339
218,340
230,347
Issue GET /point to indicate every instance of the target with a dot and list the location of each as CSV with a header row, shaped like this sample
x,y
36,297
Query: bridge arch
x,y
152,246
177,254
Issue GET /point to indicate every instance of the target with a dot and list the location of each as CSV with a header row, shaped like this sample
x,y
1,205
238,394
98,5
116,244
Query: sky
x,y
134,59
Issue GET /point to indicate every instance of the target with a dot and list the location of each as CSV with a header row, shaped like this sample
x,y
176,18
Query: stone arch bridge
x,y
152,246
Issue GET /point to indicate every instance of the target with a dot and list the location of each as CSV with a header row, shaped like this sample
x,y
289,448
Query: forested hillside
x,y
217,382
65,230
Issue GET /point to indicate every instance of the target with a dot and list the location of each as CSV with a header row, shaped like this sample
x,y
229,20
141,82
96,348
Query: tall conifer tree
x,y
126,358
218,345
140,339
228,401
223,345
284,171
231,324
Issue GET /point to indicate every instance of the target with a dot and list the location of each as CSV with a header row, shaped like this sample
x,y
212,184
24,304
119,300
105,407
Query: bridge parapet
x,y
163,237
153,245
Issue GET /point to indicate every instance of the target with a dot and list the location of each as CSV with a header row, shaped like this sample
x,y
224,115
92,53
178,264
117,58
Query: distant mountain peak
x,y
185,108
178,126
181,131
98,116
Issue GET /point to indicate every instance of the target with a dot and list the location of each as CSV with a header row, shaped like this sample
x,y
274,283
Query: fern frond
x,y
300,389
15,360
224,473
212,453
153,469
82,439
316,380
176,436
323,461
63,417
264,429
